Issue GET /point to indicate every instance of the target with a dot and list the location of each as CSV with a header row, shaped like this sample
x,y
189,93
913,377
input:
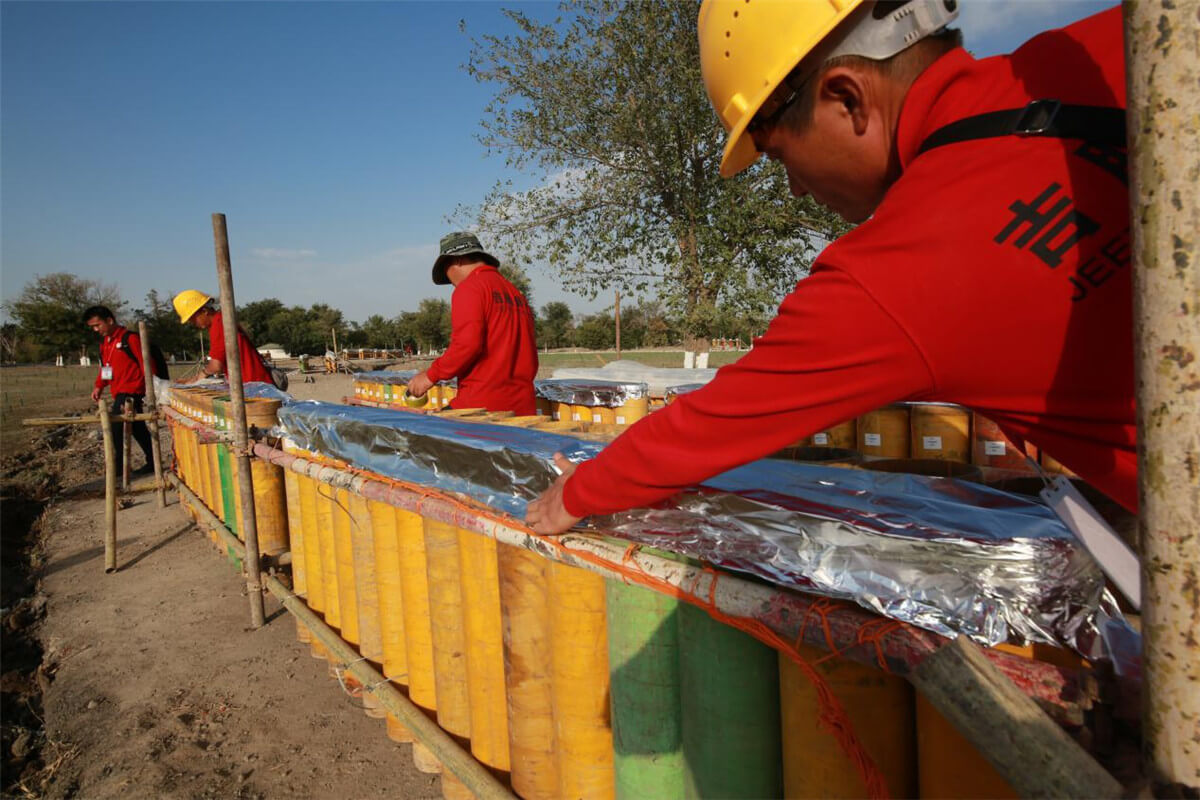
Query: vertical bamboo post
x,y
237,403
617,315
152,408
1162,50
126,444
110,490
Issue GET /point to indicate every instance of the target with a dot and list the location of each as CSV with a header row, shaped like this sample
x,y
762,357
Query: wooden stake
x,y
1162,50
1033,753
151,407
110,490
126,446
237,403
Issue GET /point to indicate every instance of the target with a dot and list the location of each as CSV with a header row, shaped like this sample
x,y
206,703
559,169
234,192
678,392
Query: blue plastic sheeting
x,y
946,555
385,376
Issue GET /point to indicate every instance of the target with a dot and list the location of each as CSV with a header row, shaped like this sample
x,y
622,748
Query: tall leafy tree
x,y
555,325
606,108
255,317
162,323
49,307
431,324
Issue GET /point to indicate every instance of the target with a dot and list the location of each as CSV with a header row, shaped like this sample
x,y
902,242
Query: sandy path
x,y
158,689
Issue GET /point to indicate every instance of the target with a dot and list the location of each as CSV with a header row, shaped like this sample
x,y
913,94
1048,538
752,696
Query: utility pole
x,y
617,309
1162,49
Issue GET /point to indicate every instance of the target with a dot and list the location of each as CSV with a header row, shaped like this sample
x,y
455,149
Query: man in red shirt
x,y
196,309
493,349
990,268
121,372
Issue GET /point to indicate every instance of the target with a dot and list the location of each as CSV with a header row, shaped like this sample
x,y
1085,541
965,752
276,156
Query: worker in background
x,y
990,266
493,349
196,309
121,371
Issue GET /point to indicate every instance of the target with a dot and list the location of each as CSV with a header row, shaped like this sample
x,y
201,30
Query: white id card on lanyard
x,y
106,373
1114,556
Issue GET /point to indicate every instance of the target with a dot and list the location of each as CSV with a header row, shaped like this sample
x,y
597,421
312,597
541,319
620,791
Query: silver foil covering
x,y
395,377
683,388
947,556
580,392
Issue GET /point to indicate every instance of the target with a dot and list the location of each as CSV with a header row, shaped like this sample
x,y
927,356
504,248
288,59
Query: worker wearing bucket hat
x,y
196,308
990,266
493,349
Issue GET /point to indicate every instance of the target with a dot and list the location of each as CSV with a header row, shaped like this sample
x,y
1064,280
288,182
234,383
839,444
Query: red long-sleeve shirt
x,y
253,368
995,274
493,346
126,363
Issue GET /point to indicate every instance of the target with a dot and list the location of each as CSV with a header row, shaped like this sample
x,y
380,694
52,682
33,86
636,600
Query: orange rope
x,y
831,714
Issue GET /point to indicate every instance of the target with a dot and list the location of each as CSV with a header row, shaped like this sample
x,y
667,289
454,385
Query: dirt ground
x,y
147,682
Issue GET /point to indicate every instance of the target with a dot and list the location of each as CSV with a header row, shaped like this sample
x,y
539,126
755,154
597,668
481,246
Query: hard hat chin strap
x,y
883,29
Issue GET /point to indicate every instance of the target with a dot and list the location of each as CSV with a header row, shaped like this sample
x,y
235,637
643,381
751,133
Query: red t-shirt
x,y
253,368
126,364
493,347
995,274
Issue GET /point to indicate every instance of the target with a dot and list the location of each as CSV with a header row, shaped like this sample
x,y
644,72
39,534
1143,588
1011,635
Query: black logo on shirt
x,y
1049,226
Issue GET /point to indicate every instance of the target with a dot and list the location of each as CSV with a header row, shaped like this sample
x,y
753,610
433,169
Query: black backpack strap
x,y
137,359
1096,124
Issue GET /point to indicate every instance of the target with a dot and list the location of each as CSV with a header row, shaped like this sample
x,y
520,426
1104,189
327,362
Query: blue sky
x,y
336,137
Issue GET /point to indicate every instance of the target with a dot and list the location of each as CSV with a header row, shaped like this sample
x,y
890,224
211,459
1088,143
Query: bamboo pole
x,y
237,403
1039,758
56,422
474,775
110,490
151,406
126,446
1162,50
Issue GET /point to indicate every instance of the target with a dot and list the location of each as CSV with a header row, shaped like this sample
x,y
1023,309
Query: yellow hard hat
x,y
747,49
188,302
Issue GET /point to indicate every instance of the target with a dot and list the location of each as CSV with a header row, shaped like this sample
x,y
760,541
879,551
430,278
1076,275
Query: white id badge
x,y
1114,556
106,373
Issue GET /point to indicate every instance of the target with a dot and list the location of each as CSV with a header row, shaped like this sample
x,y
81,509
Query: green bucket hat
x,y
459,243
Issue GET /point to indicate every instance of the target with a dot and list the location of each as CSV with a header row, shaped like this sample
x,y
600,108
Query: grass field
x,y
44,392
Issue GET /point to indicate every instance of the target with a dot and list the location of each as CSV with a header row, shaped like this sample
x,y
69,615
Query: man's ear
x,y
847,89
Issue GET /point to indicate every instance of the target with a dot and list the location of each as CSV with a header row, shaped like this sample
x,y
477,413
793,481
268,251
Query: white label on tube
x,y
595,416
994,448
873,439
820,438
620,420
931,442
575,417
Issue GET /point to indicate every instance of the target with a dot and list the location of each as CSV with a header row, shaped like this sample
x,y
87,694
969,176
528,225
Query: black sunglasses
x,y
778,101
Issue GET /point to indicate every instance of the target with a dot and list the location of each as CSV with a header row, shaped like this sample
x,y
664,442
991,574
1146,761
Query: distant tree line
x,y
46,322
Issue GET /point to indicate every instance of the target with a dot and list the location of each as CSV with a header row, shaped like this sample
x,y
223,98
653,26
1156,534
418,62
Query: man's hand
x,y
419,385
96,395
547,515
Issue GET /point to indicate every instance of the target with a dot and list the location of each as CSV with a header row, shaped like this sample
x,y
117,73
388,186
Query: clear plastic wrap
x,y
947,556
